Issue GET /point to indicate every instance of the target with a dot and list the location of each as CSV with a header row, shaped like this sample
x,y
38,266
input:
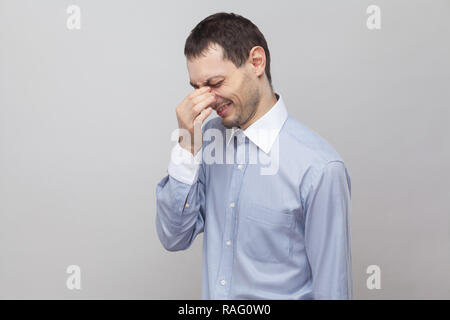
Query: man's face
x,y
237,91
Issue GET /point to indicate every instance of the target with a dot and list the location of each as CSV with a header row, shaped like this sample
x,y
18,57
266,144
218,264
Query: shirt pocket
x,y
266,233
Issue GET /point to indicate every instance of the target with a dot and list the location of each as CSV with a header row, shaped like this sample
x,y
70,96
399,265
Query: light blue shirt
x,y
282,234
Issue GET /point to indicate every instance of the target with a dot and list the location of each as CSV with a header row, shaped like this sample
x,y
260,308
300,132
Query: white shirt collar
x,y
265,130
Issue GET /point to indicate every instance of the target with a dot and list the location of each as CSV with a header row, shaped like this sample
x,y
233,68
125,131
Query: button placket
x,y
227,255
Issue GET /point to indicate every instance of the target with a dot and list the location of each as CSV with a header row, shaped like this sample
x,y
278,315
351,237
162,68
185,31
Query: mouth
x,y
223,109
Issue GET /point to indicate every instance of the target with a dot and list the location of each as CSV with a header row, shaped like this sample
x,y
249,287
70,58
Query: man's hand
x,y
191,113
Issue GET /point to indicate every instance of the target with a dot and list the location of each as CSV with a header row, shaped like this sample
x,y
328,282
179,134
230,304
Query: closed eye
x,y
216,84
208,84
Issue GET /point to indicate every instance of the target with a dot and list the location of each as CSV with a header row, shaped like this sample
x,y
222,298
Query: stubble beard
x,y
243,113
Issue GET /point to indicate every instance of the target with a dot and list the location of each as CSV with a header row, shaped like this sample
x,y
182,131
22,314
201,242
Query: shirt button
x,y
240,166
228,243
187,205
232,204
223,282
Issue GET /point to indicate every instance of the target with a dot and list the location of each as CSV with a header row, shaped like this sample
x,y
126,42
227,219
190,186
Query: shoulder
x,y
316,156
313,147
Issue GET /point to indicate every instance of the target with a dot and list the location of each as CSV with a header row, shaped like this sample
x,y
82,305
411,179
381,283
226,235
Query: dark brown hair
x,y
234,33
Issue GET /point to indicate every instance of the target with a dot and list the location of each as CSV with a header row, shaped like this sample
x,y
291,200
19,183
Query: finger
x,y
188,104
201,97
203,104
198,92
203,115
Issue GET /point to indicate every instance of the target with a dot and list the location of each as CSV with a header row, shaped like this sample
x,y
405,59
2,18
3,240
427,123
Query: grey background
x,y
86,118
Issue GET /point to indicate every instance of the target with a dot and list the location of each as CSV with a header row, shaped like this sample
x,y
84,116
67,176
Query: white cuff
x,y
183,166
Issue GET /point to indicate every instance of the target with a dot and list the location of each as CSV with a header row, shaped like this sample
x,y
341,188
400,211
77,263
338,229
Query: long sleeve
x,y
327,237
180,201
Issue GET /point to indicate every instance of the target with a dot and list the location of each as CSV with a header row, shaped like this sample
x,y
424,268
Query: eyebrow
x,y
208,81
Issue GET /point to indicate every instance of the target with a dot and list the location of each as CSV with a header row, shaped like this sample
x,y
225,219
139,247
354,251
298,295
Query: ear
x,y
257,60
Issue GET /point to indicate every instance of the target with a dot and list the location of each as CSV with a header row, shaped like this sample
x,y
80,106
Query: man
x,y
277,235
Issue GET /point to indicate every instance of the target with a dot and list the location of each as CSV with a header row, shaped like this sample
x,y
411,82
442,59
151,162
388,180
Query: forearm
x,y
178,217
180,201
